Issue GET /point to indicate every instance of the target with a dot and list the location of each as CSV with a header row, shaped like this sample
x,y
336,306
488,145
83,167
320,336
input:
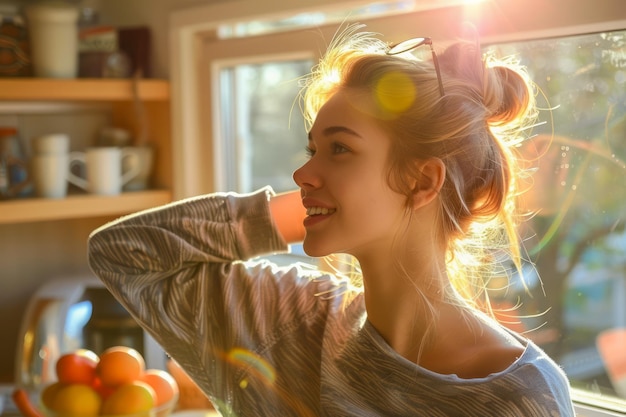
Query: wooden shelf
x,y
79,206
155,93
81,89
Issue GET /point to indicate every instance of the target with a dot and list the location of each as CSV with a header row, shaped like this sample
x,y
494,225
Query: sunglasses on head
x,y
409,45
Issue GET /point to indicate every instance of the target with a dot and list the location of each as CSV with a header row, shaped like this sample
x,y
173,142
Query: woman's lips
x,y
316,215
314,211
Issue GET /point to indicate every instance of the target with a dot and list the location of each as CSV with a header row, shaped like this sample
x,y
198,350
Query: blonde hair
x,y
474,129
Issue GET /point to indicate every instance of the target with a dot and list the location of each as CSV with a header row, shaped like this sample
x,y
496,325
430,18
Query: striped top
x,y
262,340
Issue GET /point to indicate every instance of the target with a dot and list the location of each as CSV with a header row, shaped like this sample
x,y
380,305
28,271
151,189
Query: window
x,y
577,240
262,128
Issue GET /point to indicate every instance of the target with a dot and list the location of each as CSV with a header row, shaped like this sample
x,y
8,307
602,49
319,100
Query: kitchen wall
x,y
32,253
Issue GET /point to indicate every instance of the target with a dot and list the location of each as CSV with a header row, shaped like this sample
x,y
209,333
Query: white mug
x,y
103,169
54,143
50,174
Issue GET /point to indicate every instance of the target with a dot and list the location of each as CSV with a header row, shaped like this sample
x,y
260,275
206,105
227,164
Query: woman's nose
x,y
305,176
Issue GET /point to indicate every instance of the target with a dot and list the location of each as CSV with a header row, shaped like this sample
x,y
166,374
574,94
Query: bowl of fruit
x,y
114,384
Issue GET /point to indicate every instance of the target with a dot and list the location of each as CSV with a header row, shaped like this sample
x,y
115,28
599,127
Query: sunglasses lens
x,y
406,45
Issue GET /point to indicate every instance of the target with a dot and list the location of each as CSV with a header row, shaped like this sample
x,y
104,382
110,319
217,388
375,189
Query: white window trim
x,y
189,26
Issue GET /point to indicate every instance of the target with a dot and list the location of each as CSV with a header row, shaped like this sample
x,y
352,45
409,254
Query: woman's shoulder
x,y
504,352
487,350
470,345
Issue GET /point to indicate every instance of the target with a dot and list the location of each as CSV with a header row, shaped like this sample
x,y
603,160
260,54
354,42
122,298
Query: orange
x,y
76,400
120,365
163,384
134,397
100,388
49,392
77,367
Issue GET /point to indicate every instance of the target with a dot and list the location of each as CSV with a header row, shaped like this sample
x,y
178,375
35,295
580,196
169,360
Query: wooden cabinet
x,y
152,96
43,239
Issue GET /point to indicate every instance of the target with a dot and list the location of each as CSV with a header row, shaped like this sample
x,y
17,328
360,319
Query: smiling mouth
x,y
316,211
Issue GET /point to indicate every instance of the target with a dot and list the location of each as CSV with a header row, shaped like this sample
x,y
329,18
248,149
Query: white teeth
x,y
312,211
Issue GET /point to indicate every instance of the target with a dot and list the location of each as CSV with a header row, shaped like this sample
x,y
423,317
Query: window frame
x,y
192,134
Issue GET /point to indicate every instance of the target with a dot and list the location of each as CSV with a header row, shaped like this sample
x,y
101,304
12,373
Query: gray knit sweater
x,y
267,341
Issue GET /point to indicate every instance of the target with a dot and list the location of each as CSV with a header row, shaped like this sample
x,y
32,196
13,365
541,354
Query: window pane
x,y
576,239
261,124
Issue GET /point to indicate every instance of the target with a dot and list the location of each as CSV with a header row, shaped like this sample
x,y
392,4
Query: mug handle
x,y
134,170
77,158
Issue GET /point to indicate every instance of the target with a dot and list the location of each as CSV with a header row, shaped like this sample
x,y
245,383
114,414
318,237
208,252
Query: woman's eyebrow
x,y
337,129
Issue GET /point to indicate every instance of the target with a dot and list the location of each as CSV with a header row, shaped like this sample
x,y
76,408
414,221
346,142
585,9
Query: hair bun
x,y
500,86
506,95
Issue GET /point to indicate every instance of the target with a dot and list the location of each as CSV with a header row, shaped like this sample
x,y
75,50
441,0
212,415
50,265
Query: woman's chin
x,y
314,250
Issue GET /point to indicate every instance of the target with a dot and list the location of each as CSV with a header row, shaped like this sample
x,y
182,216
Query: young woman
x,y
411,170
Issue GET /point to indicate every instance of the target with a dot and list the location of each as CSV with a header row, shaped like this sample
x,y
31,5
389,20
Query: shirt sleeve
x,y
179,270
212,228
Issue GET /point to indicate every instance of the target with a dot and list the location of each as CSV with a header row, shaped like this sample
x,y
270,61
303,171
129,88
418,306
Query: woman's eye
x,y
339,148
335,148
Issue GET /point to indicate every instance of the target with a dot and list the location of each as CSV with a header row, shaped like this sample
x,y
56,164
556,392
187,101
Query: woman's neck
x,y
403,300
423,322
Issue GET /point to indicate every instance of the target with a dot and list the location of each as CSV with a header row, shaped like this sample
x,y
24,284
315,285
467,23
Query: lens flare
x,y
257,366
395,92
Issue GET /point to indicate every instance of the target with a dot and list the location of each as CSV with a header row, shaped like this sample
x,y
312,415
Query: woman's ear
x,y
426,187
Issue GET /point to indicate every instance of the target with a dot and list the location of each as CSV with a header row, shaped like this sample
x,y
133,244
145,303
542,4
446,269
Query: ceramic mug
x,y
103,169
50,174
49,165
54,143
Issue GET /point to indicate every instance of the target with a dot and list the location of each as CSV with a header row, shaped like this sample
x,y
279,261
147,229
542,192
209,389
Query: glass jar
x,y
14,173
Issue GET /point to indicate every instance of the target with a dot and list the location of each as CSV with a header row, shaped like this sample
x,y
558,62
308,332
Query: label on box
x,y
98,39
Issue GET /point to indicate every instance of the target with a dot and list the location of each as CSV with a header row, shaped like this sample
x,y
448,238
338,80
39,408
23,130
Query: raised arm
x,y
177,269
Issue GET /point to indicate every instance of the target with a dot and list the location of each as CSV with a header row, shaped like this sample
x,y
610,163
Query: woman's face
x,y
351,208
